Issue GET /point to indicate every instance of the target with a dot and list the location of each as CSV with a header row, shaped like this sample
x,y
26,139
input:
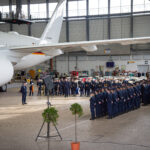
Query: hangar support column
x,y
29,17
131,25
87,21
131,20
67,23
109,21
67,31
10,11
18,8
47,9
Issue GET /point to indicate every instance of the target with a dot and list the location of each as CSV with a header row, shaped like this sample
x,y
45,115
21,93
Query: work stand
x,y
48,126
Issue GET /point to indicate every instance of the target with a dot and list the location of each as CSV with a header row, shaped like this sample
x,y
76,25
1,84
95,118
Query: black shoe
x,y
92,118
25,103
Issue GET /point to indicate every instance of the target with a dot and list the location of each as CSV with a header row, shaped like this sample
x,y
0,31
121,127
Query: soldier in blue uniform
x,y
129,103
82,87
126,102
136,96
98,99
115,102
85,83
24,93
55,87
61,87
87,88
146,94
31,91
133,98
110,104
72,87
139,94
39,84
66,88
69,87
92,106
103,100
92,86
120,100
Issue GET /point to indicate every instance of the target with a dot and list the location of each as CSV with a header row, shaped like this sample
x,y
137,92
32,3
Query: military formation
x,y
118,99
110,97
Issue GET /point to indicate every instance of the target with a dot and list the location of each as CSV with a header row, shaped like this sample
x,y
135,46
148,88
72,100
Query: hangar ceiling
x,y
6,2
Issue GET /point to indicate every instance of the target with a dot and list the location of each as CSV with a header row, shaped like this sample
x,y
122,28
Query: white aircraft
x,y
19,51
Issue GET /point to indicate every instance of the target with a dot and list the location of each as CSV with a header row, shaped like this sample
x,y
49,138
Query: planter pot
x,y
75,146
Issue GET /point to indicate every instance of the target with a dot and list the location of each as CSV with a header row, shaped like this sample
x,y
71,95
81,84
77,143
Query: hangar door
x,y
143,68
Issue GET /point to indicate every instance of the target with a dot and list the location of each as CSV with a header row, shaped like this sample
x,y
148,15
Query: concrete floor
x,y
19,126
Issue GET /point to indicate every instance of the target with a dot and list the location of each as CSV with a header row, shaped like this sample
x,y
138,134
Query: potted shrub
x,y
76,109
50,115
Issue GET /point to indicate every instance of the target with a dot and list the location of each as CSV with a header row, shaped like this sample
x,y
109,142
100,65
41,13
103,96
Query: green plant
x,y
50,115
76,109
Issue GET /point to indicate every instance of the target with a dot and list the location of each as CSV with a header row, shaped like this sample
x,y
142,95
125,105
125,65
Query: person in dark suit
x,y
87,88
74,88
99,99
31,88
66,88
24,93
39,84
92,106
82,87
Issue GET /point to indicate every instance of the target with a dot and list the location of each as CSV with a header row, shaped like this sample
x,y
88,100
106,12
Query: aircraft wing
x,y
89,46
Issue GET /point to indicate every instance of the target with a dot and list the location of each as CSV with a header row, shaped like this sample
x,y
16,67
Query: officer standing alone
x,y
24,93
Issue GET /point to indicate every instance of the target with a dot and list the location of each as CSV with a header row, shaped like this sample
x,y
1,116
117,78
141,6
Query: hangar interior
x,y
86,21
119,122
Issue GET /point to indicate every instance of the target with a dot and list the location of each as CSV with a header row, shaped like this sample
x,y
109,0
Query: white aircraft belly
x,y
30,60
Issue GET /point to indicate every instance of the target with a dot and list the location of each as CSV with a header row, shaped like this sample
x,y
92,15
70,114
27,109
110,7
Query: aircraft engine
x,y
6,71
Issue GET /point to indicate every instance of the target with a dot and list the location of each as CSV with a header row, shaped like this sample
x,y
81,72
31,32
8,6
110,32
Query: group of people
x,y
62,87
73,87
115,100
110,97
